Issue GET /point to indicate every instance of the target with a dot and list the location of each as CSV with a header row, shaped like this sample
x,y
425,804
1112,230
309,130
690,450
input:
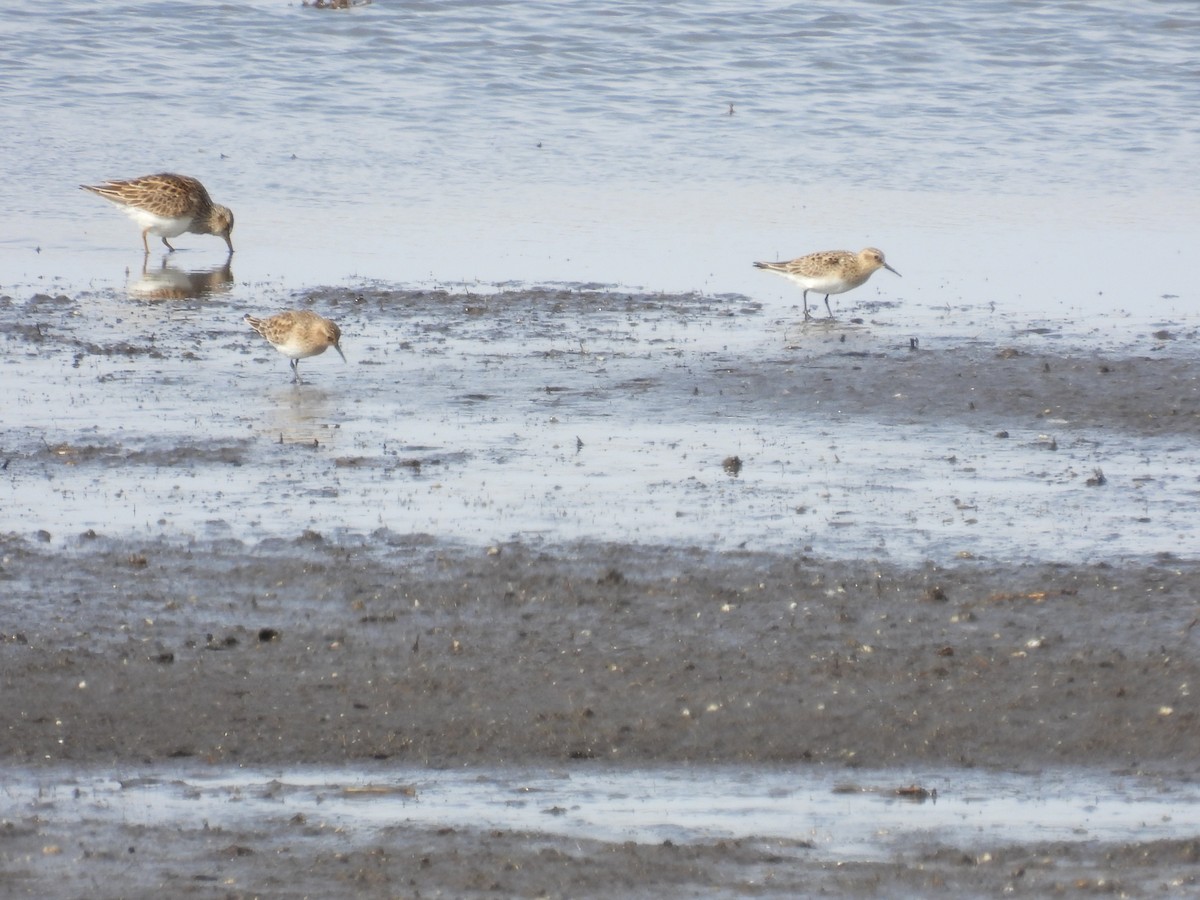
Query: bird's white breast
x,y
160,225
823,284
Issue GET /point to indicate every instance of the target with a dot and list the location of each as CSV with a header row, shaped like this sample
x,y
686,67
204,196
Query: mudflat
x,y
805,633
140,655
307,651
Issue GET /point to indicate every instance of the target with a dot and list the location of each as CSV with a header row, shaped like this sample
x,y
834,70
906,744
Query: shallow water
x,y
998,151
1031,172
856,815
567,414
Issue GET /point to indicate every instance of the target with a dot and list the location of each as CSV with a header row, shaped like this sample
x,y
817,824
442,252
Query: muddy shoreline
x,y
309,651
780,615
402,650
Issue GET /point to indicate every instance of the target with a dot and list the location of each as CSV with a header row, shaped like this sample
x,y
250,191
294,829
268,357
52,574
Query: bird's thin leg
x,y
169,247
144,244
804,297
295,371
827,306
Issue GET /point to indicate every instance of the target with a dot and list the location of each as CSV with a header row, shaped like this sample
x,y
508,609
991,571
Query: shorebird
x,y
830,271
168,205
298,334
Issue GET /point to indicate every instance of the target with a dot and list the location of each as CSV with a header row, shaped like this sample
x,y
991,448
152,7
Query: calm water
x,y
982,144
845,817
1039,160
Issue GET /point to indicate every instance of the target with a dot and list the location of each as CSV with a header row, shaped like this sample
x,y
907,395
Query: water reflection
x,y
299,413
170,282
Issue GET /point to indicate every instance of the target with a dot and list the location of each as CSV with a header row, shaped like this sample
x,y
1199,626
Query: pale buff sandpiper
x,y
830,271
299,334
167,205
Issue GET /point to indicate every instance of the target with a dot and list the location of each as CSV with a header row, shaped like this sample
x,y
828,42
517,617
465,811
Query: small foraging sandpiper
x,y
168,205
298,334
830,271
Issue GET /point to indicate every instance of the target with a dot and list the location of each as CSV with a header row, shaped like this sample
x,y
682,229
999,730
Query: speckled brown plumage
x,y
299,334
830,271
167,205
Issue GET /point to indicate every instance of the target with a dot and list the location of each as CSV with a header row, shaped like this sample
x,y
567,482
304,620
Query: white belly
x,y
297,348
160,225
824,284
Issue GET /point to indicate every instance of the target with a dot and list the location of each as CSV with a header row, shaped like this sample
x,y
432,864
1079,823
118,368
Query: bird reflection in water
x,y
300,413
169,282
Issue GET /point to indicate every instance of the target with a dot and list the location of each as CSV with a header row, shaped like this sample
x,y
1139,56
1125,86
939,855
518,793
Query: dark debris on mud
x,y
612,652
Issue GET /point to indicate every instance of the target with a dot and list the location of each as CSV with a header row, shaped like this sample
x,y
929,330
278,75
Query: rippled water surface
x,y
550,141
1035,161
535,222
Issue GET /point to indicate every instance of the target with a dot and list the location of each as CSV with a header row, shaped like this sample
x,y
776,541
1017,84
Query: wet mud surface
x,y
506,535
580,413
143,657
312,652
